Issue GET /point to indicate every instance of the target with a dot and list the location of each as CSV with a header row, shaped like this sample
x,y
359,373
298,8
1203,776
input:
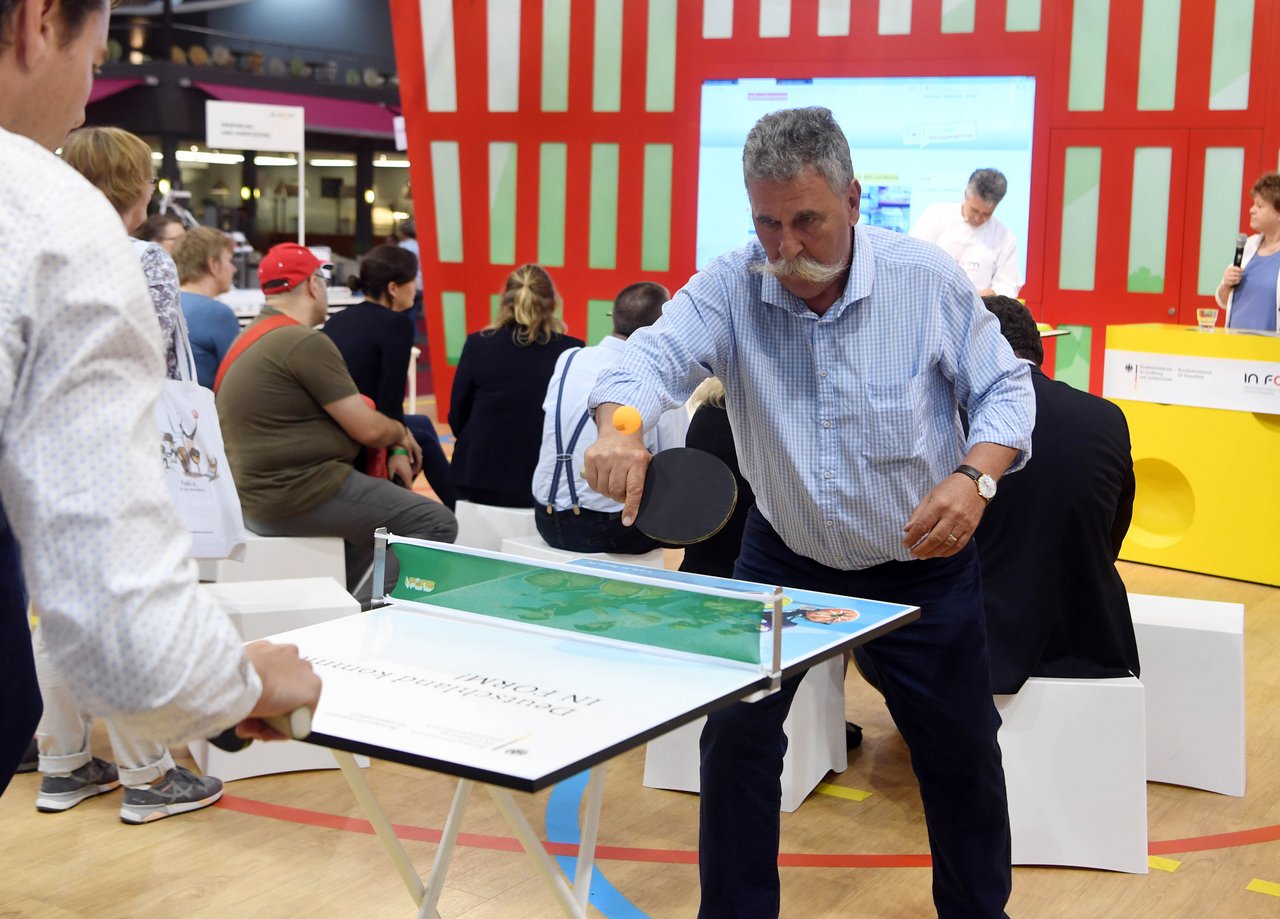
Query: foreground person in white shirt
x,y
982,246
103,553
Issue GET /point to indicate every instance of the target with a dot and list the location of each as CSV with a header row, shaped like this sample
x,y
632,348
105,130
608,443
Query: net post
x,y
379,563
775,673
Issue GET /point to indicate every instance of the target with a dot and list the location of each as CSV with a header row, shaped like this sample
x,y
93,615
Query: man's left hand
x,y
942,523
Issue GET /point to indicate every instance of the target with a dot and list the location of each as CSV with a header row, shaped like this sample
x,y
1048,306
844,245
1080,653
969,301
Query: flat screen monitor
x,y
914,140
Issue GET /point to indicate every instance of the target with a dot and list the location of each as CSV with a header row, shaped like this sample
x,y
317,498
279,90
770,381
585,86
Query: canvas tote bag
x,y
194,460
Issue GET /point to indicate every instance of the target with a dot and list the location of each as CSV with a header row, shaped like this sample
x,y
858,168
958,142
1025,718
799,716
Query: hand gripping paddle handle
x,y
295,725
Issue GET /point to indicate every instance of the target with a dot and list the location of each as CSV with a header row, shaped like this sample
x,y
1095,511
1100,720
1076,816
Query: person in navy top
x,y
375,338
496,405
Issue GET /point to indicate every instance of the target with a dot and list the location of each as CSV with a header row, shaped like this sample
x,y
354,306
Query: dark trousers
x,y
434,464
20,705
937,684
591,531
360,506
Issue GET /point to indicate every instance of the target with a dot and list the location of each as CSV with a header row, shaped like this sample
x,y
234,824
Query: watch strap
x,y
970,471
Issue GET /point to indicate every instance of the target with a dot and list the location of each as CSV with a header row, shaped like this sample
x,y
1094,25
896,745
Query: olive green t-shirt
x,y
287,454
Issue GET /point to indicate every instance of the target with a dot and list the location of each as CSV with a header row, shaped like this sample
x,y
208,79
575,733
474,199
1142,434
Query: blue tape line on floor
x,y
562,826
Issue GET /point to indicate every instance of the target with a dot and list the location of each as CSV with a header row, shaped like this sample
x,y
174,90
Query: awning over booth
x,y
103,88
334,116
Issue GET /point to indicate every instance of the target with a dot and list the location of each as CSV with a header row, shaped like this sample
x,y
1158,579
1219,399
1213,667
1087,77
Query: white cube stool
x,y
484,526
260,609
536,548
1075,768
272,557
815,741
1192,655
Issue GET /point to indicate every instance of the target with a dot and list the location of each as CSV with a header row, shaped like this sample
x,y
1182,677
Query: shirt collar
x,y
862,270
612,342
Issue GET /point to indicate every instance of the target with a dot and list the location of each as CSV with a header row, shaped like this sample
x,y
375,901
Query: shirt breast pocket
x,y
893,425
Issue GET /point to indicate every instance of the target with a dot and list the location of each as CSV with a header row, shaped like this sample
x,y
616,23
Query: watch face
x,y
986,486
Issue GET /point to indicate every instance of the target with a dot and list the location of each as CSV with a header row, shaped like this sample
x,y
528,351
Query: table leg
x,y
381,825
444,854
546,866
590,829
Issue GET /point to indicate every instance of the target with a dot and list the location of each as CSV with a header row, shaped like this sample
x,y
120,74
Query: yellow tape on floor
x,y
1162,864
1271,888
839,791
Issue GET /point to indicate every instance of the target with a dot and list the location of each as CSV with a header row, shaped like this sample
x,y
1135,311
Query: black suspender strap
x,y
564,453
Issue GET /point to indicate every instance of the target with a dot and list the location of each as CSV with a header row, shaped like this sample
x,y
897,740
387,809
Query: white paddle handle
x,y
295,725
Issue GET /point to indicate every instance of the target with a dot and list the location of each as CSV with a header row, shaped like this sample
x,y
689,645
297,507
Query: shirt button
x,y
826,424
826,475
831,523
824,373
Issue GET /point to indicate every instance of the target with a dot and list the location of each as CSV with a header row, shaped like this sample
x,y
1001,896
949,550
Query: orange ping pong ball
x,y
627,420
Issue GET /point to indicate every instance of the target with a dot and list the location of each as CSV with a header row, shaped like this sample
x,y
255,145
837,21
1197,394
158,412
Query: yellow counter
x,y
1208,479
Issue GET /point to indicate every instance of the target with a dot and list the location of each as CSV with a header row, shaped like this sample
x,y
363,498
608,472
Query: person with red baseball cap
x,y
294,424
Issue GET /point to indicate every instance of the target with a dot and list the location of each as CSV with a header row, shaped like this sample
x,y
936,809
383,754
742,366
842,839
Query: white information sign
x,y
402,135
1183,379
258,127
251,126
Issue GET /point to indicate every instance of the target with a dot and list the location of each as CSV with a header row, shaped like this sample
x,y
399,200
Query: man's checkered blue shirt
x,y
843,422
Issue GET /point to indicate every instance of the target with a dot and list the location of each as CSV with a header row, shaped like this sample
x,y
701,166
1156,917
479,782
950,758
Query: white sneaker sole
x,y
151,813
56,802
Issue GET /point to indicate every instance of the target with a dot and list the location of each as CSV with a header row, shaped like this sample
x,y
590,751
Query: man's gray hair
x,y
988,184
784,144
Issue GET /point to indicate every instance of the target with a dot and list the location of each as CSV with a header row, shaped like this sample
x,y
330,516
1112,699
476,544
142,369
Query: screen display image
x,y
914,140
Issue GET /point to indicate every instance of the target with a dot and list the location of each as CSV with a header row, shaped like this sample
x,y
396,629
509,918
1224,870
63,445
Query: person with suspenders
x,y
570,515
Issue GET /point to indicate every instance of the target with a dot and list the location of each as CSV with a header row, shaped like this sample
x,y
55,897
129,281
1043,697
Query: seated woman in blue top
x,y
205,271
375,338
496,406
1250,292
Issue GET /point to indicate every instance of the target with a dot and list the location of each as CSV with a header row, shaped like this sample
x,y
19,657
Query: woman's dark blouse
x,y
496,414
375,343
709,430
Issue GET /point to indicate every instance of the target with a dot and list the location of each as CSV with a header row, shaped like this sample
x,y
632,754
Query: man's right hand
x,y
288,683
616,463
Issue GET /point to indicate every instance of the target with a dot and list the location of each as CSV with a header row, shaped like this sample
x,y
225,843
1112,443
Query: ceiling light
x,y
331,162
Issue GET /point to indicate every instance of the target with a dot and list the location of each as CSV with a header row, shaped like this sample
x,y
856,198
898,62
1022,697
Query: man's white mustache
x,y
802,268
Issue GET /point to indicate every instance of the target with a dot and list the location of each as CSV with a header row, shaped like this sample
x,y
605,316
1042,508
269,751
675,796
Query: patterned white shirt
x,y
162,281
843,422
104,554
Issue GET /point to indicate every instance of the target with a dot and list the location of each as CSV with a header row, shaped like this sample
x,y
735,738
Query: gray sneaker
x,y
61,792
178,791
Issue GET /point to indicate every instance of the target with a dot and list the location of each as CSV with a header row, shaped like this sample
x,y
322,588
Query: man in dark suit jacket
x,y
1055,603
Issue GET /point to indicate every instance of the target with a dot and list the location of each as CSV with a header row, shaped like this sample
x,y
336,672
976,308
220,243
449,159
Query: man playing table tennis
x,y
845,351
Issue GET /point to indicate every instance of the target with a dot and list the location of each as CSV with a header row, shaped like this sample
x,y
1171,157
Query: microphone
x,y
1240,241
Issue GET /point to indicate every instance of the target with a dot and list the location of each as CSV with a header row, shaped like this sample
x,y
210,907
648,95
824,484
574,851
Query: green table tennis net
x,y
581,603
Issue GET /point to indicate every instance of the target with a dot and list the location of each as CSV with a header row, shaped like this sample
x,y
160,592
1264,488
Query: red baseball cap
x,y
286,266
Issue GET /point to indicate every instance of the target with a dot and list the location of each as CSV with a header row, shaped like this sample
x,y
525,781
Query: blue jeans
x,y
591,531
937,684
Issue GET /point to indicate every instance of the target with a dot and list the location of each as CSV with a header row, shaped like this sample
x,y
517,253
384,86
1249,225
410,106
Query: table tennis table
x,y
517,675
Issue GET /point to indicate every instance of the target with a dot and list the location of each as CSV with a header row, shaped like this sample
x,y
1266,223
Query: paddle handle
x,y
295,725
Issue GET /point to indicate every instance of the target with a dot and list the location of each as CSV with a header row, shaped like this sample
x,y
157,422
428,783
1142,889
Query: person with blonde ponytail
x,y
496,406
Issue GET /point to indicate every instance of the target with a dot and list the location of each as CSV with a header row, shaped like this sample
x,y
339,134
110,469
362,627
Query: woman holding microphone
x,y
1250,293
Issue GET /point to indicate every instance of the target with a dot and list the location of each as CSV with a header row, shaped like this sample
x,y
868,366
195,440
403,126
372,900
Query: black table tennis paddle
x,y
689,495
